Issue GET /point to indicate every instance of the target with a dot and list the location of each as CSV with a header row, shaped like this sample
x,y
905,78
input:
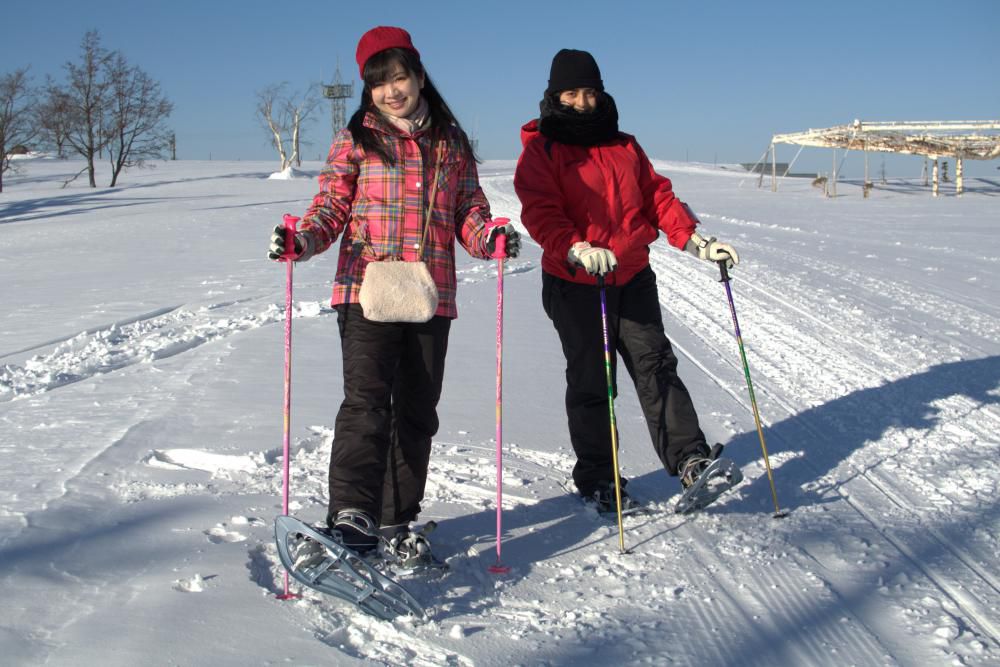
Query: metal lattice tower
x,y
338,93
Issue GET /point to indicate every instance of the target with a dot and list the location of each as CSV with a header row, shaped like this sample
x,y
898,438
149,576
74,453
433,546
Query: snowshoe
x,y
604,502
705,478
409,552
318,560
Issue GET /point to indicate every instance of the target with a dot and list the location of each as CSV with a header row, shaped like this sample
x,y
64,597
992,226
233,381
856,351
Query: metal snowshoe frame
x,y
344,574
720,476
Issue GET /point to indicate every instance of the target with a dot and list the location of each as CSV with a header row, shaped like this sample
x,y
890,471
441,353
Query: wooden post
x,y
866,187
934,186
833,180
958,176
774,169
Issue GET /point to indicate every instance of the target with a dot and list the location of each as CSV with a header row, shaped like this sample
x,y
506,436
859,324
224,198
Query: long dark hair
x,y
377,70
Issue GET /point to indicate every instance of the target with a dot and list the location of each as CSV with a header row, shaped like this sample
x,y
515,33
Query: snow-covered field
x,y
141,355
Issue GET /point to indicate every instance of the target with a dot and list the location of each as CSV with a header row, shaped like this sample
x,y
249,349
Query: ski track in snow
x,y
161,335
960,578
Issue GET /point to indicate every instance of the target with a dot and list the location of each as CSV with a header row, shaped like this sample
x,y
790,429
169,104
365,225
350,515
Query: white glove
x,y
712,250
304,246
595,261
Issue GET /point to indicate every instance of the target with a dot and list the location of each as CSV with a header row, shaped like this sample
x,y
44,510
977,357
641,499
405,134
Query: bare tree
x,y
54,116
282,115
134,125
17,116
86,96
270,111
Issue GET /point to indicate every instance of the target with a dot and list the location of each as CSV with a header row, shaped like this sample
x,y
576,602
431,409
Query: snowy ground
x,y
141,426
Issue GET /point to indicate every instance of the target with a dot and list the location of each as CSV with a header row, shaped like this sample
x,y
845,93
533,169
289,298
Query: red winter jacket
x,y
608,195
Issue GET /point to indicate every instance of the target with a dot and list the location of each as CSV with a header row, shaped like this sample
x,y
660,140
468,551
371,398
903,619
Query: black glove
x,y
303,245
513,240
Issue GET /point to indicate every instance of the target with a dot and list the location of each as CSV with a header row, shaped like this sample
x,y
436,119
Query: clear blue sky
x,y
705,81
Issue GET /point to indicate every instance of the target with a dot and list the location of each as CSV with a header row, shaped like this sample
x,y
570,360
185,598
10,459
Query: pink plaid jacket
x,y
377,210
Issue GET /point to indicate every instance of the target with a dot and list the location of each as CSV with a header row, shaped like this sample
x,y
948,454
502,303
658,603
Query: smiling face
x,y
583,100
399,94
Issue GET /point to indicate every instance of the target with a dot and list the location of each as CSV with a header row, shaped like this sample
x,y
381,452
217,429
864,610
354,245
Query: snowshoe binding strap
x,y
604,501
411,550
357,530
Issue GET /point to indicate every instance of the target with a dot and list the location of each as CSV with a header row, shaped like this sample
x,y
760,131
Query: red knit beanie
x,y
379,39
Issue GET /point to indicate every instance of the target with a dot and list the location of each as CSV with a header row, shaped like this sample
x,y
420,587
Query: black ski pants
x,y
636,335
382,443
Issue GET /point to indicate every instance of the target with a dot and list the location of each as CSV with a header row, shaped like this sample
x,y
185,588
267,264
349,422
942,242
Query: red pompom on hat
x,y
379,39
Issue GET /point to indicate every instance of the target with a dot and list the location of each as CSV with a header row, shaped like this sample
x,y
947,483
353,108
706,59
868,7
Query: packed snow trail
x,y
141,456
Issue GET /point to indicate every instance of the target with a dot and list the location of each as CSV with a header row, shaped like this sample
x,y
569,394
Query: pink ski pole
x,y
499,252
288,259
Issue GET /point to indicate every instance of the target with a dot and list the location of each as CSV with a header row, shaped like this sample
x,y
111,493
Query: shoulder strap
x,y
361,242
435,146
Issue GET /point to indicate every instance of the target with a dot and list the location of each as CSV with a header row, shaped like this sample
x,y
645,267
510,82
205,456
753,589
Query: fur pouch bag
x,y
398,291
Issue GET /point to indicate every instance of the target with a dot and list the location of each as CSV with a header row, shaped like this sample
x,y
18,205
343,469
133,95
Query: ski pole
x,y
778,513
287,258
611,411
499,252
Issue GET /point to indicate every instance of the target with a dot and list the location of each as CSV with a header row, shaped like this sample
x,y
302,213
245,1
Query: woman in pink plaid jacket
x,y
402,142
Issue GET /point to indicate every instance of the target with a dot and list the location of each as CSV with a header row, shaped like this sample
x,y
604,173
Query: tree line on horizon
x,y
105,108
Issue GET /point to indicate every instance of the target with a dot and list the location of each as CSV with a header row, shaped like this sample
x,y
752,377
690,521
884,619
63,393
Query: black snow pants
x,y
635,333
382,443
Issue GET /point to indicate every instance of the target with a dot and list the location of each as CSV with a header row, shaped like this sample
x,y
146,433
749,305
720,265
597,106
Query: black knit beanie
x,y
573,69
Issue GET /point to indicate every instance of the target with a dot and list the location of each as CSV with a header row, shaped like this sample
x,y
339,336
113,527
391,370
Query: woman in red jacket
x,y
402,142
592,200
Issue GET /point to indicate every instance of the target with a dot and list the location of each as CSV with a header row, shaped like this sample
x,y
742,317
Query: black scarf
x,y
569,126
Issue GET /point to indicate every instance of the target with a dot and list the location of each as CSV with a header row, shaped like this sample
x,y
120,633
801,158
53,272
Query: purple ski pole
x,y
723,269
499,252
288,259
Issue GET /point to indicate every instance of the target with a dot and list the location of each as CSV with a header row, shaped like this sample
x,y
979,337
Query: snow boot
x,y
603,500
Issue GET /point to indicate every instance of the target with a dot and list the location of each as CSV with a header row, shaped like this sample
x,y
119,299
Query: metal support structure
x,y
971,139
